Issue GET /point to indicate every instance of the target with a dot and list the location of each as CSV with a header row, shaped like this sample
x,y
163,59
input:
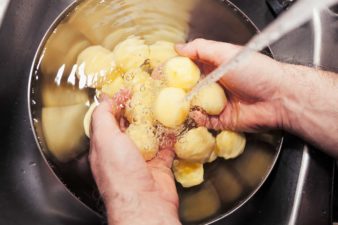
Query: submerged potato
x,y
160,52
230,144
188,173
55,96
170,107
62,48
200,204
131,53
144,138
96,65
63,131
211,98
181,72
196,145
88,119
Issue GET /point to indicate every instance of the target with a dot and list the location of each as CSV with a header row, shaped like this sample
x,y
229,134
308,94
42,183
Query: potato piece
x,y
144,138
96,65
111,88
211,98
188,173
160,52
230,144
56,96
196,145
170,107
136,79
139,107
199,205
63,131
213,156
181,72
131,53
227,183
62,48
88,119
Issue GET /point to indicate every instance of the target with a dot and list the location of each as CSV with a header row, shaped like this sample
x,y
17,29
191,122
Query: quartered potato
x,y
113,87
56,96
188,173
160,52
95,66
131,53
144,138
136,79
230,144
181,72
170,107
139,107
196,145
211,98
227,183
88,118
63,130
213,156
61,51
199,205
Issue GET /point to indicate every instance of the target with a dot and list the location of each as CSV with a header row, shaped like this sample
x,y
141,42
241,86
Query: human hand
x,y
134,191
252,88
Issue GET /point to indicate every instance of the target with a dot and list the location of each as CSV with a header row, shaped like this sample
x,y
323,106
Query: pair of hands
x,y
133,189
262,94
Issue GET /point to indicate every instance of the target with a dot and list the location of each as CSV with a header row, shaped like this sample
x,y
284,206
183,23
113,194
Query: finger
x,y
204,120
164,159
109,142
207,51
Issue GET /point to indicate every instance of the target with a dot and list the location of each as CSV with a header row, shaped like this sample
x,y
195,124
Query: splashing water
x,y
298,14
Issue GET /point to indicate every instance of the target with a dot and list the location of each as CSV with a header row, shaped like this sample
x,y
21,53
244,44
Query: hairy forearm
x,y
132,208
310,106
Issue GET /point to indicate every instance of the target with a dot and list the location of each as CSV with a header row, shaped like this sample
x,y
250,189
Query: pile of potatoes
x,y
159,80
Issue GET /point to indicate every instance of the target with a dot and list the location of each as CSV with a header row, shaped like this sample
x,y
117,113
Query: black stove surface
x,y
298,191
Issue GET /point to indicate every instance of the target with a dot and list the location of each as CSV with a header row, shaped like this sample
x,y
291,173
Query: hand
x,y
265,94
252,89
134,191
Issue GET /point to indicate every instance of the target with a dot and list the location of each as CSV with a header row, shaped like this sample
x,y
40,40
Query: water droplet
x,y
32,164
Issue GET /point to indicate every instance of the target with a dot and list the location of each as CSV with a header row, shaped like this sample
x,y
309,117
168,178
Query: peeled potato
x,y
62,48
181,72
144,138
136,79
131,53
160,52
211,98
188,173
63,131
96,65
196,145
200,204
88,119
139,107
56,96
230,144
170,107
111,88
213,157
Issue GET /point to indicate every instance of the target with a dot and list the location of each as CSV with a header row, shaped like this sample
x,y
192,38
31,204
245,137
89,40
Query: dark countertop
x,y
29,192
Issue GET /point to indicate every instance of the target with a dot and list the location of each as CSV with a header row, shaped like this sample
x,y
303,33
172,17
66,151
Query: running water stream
x,y
299,13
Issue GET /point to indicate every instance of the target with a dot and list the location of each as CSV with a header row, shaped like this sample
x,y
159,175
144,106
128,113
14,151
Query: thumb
x,y
206,51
